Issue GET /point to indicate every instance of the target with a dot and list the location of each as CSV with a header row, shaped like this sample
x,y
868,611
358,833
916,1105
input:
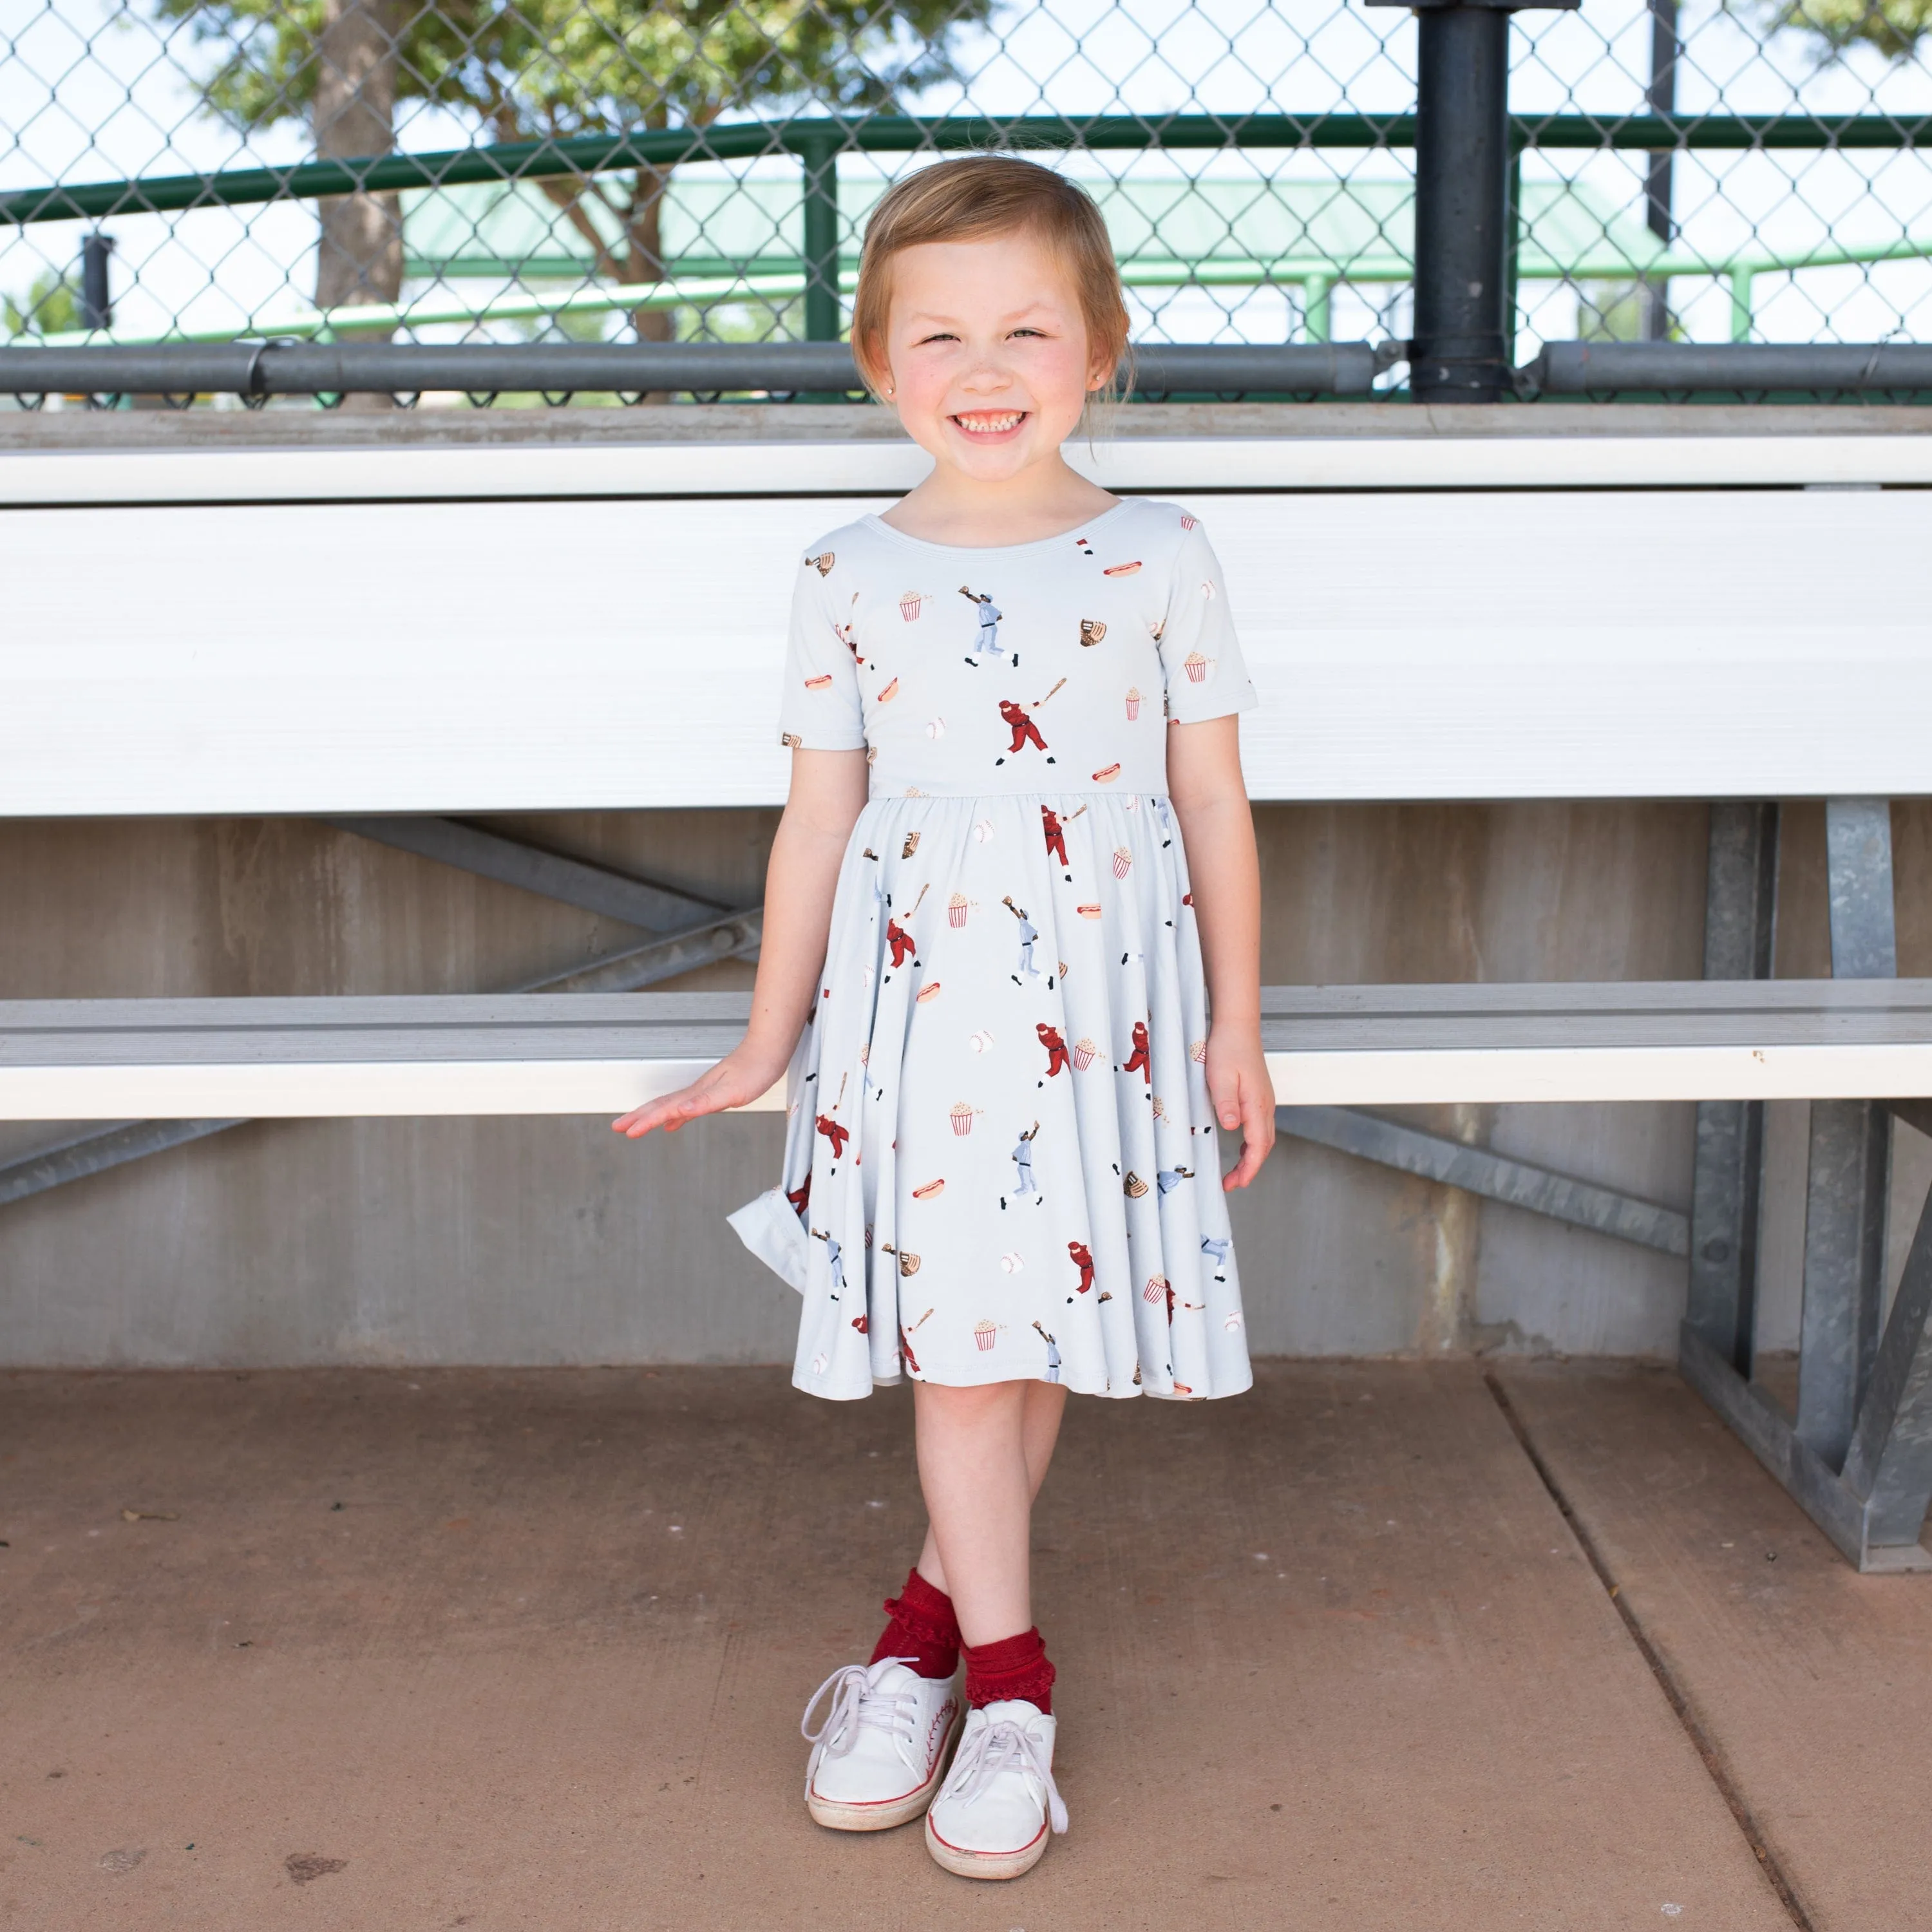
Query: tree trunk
x,y
360,259
643,234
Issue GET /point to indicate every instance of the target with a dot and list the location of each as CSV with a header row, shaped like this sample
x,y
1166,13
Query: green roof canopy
x,y
1291,230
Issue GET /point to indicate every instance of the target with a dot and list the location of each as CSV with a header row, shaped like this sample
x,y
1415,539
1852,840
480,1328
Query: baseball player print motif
x,y
834,1131
1082,1258
1019,720
1056,838
987,643
1057,1059
1053,1362
1029,939
1010,975
1024,1186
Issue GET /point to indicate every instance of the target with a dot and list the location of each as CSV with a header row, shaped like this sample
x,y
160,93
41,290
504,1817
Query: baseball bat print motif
x,y
905,1340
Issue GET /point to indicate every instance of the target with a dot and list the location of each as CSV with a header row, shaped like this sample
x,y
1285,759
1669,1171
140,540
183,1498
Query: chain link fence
x,y
586,171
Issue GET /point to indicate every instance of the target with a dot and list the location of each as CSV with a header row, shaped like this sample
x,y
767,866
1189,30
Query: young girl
x,y
1011,704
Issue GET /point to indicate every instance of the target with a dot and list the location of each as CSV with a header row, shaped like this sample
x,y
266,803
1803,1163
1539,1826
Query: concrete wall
x,y
540,1241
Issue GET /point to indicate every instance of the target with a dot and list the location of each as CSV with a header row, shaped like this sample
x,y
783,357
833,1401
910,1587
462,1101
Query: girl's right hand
x,y
740,1077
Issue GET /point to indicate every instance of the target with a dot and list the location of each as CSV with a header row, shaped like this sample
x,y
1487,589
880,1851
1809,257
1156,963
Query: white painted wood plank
x,y
1425,1076
1141,463
502,656
275,1091
1414,1077
116,1060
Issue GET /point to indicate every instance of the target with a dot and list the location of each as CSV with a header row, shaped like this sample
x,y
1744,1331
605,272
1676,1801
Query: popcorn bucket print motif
x,y
1001,1161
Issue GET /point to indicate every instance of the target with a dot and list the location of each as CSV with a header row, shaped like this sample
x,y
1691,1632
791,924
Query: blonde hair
x,y
973,198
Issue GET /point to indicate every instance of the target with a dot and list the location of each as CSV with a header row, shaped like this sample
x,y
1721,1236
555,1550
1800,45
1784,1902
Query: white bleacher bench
x,y
604,1053
1429,615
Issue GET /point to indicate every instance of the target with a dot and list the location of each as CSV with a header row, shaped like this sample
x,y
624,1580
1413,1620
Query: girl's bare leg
x,y
983,1453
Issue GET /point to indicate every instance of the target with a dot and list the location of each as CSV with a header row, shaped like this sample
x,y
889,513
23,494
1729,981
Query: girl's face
x,y
987,353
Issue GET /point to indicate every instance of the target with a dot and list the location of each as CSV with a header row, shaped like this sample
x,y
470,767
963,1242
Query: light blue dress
x,y
1000,1160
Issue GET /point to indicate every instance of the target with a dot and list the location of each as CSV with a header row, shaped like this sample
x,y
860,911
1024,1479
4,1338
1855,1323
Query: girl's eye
x,y
1040,332
940,335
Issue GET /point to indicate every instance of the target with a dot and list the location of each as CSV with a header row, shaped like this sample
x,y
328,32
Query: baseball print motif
x,y
961,1199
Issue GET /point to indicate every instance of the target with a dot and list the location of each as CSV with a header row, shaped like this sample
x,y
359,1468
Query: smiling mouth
x,y
989,422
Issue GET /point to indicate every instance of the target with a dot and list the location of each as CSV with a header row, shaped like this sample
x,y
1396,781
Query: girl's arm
x,y
1203,780
828,792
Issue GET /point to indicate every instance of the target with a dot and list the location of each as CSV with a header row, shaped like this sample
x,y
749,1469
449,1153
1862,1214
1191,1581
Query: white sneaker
x,y
879,1755
990,1818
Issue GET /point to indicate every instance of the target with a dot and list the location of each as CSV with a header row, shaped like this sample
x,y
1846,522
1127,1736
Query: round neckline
x,y
874,521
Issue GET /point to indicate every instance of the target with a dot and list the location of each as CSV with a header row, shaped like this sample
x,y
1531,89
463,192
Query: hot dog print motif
x,y
978,1184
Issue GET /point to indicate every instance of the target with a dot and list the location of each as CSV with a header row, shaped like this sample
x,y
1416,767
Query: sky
x,y
93,90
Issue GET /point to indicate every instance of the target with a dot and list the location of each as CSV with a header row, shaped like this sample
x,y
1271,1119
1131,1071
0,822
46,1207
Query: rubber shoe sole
x,y
986,1865
887,1812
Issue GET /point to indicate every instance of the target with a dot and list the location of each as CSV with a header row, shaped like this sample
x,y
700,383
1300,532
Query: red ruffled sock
x,y
922,1627
1015,1666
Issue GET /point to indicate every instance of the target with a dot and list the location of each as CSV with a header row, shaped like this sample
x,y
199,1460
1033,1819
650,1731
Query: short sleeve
x,y
1207,676
820,709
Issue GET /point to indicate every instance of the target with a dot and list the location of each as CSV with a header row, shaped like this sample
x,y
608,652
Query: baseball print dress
x,y
1000,1162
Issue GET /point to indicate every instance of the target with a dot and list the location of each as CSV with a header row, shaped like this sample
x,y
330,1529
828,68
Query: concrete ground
x,y
373,1650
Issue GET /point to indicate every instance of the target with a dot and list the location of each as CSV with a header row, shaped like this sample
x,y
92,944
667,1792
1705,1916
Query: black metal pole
x,y
1660,97
1459,352
97,298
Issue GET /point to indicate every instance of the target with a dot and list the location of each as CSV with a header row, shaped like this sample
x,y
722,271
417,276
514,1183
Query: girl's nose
x,y
986,376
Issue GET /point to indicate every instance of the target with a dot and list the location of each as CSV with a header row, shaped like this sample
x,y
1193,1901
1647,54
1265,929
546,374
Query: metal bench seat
x,y
579,1053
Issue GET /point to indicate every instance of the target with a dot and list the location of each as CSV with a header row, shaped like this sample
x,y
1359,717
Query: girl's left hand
x,y
1243,1096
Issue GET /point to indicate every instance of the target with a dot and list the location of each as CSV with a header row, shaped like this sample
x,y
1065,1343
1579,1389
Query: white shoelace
x,y
855,1703
1002,1746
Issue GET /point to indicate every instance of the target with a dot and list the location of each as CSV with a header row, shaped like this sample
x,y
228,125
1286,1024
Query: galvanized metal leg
x,y
1859,1458
1740,929
1889,1465
1846,1191
1851,1152
1858,849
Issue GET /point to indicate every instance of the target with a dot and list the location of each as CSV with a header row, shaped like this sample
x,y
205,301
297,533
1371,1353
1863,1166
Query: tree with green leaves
x,y
49,307
539,68
1895,27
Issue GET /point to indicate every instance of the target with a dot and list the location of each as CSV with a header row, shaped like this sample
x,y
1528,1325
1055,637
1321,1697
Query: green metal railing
x,y
817,141
1316,280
